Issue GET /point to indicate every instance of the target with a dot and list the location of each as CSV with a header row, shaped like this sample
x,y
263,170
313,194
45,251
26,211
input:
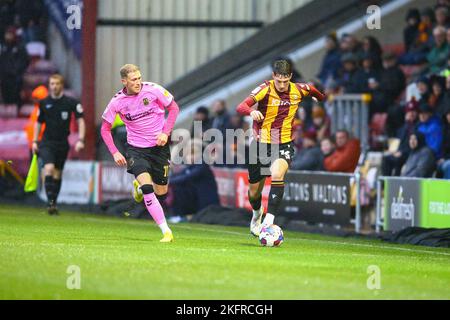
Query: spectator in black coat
x,y
372,47
194,187
437,97
201,117
421,162
412,29
393,161
310,156
14,61
368,75
385,94
221,119
347,79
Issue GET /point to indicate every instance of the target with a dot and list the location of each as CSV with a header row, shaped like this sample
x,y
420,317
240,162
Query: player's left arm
x,y
310,90
167,101
79,115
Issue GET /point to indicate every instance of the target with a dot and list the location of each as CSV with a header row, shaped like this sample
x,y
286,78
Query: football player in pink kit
x,y
142,106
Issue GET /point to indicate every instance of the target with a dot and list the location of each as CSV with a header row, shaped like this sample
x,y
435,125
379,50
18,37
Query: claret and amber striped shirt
x,y
278,108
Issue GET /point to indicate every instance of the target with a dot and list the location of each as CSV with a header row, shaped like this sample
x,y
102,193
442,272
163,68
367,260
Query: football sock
x,y
161,198
57,183
256,205
154,207
50,187
275,196
164,227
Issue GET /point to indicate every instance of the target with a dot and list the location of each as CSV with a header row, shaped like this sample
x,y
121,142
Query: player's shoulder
x,y
71,100
119,95
152,86
262,87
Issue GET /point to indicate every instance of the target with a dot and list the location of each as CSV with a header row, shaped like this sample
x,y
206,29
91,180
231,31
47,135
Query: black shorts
x,y
54,152
154,160
262,155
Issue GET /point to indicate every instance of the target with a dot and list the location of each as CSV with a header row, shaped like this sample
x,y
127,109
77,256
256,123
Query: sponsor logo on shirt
x,y
130,117
64,115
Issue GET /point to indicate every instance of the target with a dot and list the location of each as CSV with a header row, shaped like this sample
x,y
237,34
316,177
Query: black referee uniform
x,y
54,147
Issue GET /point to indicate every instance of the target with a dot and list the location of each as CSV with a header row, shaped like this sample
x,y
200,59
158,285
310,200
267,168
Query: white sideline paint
x,y
325,241
303,52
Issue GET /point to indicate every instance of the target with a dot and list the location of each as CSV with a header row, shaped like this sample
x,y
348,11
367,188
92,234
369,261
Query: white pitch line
x,y
327,241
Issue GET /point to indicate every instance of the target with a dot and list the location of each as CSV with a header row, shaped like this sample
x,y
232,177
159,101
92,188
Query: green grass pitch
x,y
123,259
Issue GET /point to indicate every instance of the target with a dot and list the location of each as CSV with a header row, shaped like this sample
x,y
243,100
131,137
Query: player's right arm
x,y
249,107
108,118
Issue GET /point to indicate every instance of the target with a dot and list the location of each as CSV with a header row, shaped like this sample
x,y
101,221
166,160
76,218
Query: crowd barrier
x,y
351,112
412,202
315,197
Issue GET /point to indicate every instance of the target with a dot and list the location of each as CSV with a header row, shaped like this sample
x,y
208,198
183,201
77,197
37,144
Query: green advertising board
x,y
416,203
435,211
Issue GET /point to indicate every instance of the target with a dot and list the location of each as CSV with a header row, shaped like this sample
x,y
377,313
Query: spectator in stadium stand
x,y
14,61
194,188
27,11
371,46
423,41
345,157
393,161
427,23
385,93
412,29
437,97
327,147
221,120
321,123
437,58
331,62
423,87
201,115
444,161
367,76
6,15
421,161
349,44
431,127
441,15
347,78
310,158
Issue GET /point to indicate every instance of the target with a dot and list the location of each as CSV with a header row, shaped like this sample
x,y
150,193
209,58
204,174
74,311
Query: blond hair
x,y
58,77
126,69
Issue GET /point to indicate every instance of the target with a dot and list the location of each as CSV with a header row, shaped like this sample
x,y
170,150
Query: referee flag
x,y
31,183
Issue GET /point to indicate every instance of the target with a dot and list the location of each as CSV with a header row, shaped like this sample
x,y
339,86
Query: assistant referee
x,y
56,111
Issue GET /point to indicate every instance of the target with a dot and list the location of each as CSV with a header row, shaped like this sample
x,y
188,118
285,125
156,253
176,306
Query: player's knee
x,y
277,176
147,189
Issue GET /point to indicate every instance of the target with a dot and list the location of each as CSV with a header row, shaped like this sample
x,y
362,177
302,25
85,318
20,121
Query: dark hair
x,y
282,68
203,110
344,131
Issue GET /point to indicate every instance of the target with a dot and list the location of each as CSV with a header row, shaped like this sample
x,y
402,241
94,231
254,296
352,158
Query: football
x,y
271,236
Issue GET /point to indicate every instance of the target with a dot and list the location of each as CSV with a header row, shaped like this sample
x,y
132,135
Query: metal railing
x,y
351,112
